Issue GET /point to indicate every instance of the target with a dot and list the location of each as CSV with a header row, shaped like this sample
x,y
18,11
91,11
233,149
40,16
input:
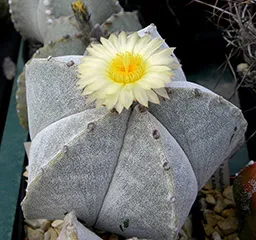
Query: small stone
x,y
228,193
232,236
9,68
113,237
188,227
220,205
212,218
231,212
208,230
45,225
207,191
218,230
51,234
34,223
35,234
216,236
229,203
182,235
217,194
229,225
210,199
183,238
57,223
25,174
203,204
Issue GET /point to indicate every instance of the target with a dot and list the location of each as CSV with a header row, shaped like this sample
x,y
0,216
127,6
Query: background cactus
x,y
135,173
62,32
245,197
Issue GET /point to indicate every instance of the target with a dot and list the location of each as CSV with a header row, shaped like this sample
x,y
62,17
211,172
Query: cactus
x,y
33,17
63,34
136,173
244,188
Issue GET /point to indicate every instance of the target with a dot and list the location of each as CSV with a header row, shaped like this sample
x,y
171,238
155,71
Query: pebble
x,y
57,223
212,219
35,234
220,205
51,234
35,223
113,237
220,222
218,230
228,193
229,225
229,203
209,230
207,186
210,199
216,236
231,212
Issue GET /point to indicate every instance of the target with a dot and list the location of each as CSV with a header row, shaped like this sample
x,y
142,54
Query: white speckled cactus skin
x,y
136,174
55,26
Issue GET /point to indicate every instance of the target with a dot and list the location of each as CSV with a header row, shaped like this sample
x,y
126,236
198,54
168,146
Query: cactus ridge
x,y
63,46
216,116
97,211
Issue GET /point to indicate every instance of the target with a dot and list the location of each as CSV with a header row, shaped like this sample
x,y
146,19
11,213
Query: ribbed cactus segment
x,y
122,21
153,186
61,27
71,45
208,128
244,189
80,158
136,173
115,161
63,78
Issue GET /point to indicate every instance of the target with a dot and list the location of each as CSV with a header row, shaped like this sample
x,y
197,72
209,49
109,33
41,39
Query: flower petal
x,y
140,95
152,97
126,98
162,92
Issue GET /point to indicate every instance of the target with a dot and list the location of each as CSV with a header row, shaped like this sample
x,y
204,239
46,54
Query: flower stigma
x,y
126,68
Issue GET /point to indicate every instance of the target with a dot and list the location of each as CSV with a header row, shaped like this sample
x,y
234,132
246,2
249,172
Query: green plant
x,y
136,173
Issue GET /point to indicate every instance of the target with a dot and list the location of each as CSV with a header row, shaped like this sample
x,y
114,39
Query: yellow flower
x,y
124,69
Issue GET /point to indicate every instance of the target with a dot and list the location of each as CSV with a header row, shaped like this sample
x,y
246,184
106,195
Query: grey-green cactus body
x,y
57,28
135,174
